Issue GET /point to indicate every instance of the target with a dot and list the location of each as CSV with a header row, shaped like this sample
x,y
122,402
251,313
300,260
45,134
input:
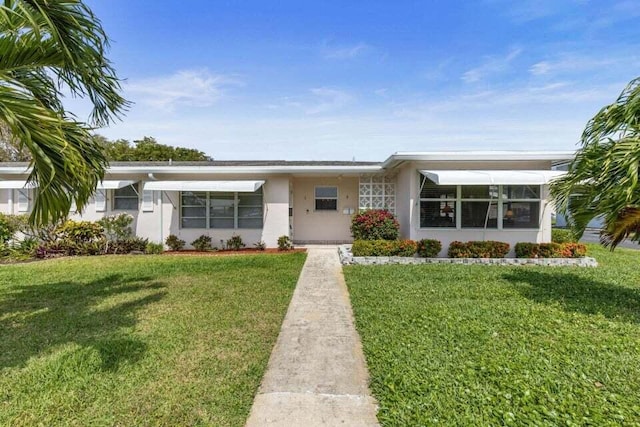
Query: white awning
x,y
114,185
218,186
491,177
16,184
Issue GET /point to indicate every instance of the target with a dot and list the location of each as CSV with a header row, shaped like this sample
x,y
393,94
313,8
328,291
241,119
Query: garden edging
x,y
347,258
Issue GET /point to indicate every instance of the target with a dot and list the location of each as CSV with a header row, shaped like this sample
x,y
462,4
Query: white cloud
x,y
327,100
194,88
491,65
344,52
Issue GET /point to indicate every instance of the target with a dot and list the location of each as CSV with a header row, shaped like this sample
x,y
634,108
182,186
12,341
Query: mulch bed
x,y
247,251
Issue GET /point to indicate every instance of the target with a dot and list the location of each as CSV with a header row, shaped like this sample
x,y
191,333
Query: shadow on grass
x,y
578,294
36,318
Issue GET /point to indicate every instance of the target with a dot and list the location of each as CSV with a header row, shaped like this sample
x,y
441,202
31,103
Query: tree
x,y
148,149
48,47
602,180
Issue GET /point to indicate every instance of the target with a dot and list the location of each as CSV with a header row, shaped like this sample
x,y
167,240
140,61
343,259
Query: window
x,y
326,198
125,198
221,210
437,205
521,206
479,206
193,209
23,200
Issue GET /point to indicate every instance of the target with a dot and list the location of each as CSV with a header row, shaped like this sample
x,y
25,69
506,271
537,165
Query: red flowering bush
x,y
375,224
550,250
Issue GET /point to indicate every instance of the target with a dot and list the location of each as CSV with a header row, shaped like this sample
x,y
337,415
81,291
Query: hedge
x,y
562,235
478,249
550,250
406,248
429,248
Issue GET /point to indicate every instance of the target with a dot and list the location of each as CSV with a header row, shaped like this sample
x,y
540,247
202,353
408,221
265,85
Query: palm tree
x,y
602,180
48,47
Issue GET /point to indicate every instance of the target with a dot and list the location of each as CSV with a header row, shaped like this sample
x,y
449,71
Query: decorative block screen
x,y
377,192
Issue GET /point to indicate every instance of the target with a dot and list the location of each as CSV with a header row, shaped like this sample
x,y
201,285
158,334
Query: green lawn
x,y
487,345
139,340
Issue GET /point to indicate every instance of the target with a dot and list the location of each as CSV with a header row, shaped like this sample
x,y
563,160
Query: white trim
x,y
211,186
100,200
147,200
491,177
15,184
23,199
114,185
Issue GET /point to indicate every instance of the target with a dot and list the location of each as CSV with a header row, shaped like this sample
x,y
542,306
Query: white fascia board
x,y
453,156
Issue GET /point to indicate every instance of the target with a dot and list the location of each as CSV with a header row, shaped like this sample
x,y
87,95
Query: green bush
x,y
8,228
174,243
202,243
284,243
80,231
117,226
260,245
127,245
375,224
562,235
550,250
404,248
478,249
429,248
235,243
154,248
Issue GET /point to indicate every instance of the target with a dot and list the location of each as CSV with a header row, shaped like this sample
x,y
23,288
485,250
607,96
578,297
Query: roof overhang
x,y
114,185
16,184
216,186
497,156
491,177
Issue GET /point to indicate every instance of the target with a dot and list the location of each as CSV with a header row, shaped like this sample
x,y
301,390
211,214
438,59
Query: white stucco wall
x,y
310,225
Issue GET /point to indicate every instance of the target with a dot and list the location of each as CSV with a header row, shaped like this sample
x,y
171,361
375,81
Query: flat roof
x,y
313,166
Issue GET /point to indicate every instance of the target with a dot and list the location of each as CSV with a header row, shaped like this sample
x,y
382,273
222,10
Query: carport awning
x,y
216,186
114,185
491,177
15,184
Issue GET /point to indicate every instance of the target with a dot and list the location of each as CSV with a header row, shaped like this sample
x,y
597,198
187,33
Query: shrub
x,y
154,248
202,243
8,227
80,231
405,248
478,249
375,224
284,243
550,250
562,235
174,243
260,245
235,243
429,248
127,245
117,226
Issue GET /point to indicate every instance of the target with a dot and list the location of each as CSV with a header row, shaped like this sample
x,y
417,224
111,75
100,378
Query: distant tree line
x,y
120,150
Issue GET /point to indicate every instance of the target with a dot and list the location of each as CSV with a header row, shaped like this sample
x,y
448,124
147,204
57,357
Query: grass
x,y
487,345
139,340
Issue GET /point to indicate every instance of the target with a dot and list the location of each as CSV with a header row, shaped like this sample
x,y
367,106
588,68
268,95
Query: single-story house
x,y
455,195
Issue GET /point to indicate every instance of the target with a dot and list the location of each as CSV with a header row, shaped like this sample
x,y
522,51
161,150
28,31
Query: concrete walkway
x,y
317,374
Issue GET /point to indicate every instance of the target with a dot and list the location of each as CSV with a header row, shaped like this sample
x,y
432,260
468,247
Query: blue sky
x,y
362,79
